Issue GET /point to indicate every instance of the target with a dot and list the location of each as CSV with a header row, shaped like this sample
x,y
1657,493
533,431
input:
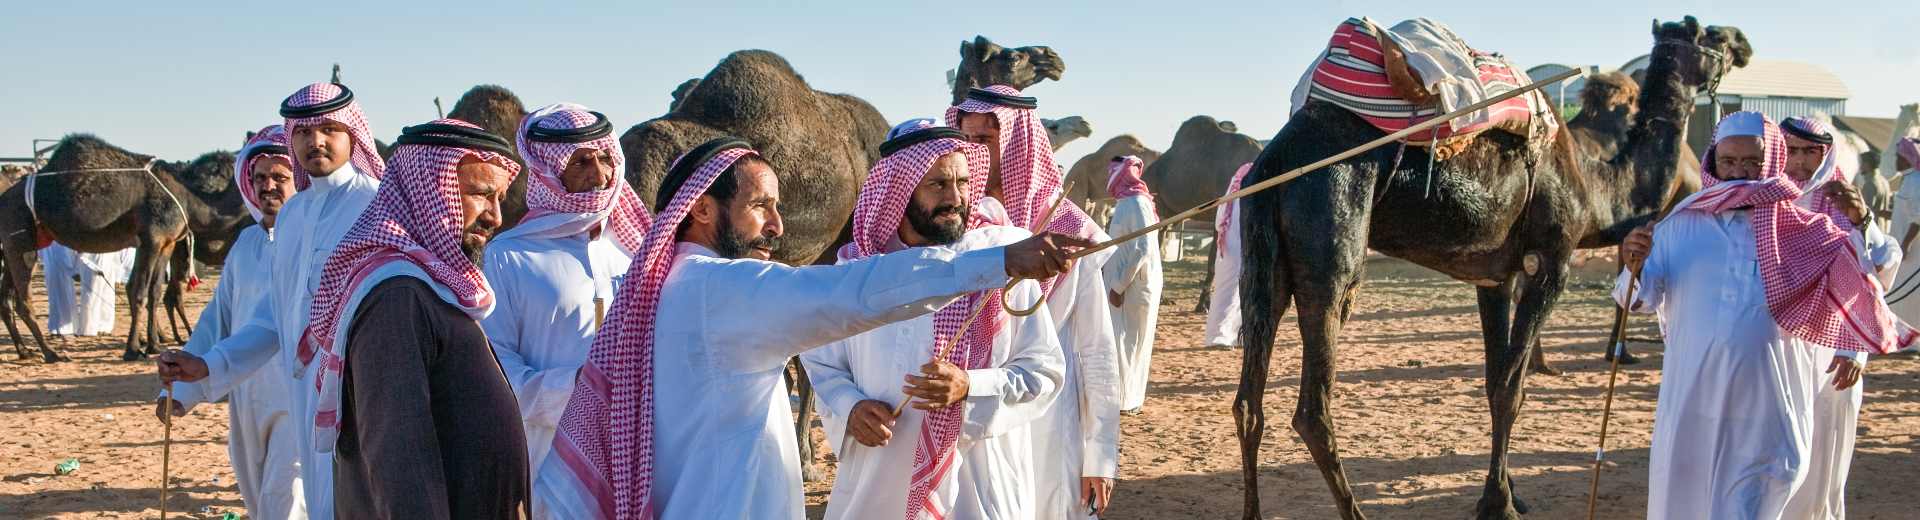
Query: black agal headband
x,y
287,110
454,136
988,96
600,128
919,136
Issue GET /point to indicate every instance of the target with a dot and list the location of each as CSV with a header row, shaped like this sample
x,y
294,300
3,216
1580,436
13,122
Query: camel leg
x,y
145,262
1325,299
6,313
181,269
1206,286
156,287
1507,346
1264,301
803,424
20,279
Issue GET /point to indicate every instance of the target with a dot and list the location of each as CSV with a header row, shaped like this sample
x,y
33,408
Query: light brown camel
x,y
1497,215
984,64
1089,174
1067,130
94,197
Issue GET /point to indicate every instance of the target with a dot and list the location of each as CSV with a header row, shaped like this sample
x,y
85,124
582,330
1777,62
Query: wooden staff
x,y
941,353
1606,412
166,450
1297,172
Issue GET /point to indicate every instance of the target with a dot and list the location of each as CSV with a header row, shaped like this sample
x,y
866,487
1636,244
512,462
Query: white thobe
x,y
1732,433
549,295
1134,272
92,314
308,227
263,437
1904,295
1080,436
993,476
1223,313
723,439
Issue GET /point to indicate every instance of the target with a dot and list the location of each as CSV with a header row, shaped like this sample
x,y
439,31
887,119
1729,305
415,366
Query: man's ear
x,y
705,210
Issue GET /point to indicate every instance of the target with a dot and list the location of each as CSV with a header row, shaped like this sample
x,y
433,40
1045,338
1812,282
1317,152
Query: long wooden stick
x,y
941,353
1297,172
166,451
1606,412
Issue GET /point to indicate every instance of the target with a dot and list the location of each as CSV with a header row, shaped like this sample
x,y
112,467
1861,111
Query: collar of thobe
x,y
689,248
341,177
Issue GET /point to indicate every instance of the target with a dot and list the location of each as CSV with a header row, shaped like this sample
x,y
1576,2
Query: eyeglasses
x,y
1728,163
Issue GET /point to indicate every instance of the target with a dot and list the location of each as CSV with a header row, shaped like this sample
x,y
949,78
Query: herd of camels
x,y
1497,215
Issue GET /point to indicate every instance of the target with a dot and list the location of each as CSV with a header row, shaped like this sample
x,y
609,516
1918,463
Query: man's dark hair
x,y
724,186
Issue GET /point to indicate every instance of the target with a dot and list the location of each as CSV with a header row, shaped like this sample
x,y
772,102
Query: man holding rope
x,y
968,435
1750,285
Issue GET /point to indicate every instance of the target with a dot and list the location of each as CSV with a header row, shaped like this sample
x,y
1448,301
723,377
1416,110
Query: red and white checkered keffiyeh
x,y
1816,289
1123,180
605,437
365,157
1224,219
551,210
415,217
877,214
1029,177
243,162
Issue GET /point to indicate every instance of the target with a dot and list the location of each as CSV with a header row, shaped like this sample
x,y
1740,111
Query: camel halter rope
x,y
1303,170
942,352
148,169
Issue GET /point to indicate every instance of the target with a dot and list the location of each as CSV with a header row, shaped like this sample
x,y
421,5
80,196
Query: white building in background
x,y
1779,89
1567,92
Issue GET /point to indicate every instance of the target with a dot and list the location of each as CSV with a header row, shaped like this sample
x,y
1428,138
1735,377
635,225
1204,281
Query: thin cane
x,y
1037,226
1606,412
1297,172
941,353
166,450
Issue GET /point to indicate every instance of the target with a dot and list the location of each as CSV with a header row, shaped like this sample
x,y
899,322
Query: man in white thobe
x,y
976,446
331,143
681,411
263,438
1904,296
1746,281
1811,159
1023,189
1133,284
555,273
1223,313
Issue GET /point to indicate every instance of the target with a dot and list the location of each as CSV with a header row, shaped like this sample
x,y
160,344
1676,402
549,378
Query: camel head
x,y
1063,131
1705,53
491,107
681,91
984,64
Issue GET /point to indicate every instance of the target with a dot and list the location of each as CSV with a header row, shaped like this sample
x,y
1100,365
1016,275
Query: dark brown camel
x,y
498,110
104,202
1196,170
1498,217
984,64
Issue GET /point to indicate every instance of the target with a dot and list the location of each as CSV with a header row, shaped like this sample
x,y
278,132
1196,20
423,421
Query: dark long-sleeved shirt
x,y
429,425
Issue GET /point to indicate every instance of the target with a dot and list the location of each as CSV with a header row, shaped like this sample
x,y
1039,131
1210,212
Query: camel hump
x,y
86,152
210,173
743,88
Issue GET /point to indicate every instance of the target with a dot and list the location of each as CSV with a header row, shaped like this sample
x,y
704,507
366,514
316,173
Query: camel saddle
x,y
1419,70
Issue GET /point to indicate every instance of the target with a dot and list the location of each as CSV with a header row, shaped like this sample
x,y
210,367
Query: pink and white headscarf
x,y
345,111
415,217
268,143
552,211
1029,177
877,214
1909,148
605,437
1816,289
1223,220
1123,180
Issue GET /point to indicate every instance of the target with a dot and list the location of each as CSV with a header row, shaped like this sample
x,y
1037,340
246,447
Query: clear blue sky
x,y
180,78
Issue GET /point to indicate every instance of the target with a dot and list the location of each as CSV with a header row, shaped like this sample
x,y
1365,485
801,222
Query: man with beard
x,y
681,411
968,445
333,146
1749,284
420,419
1022,188
1836,404
557,271
263,436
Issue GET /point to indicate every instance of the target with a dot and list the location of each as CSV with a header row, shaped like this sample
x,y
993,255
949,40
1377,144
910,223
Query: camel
x,y
1499,216
1196,170
96,198
1063,131
984,64
1089,174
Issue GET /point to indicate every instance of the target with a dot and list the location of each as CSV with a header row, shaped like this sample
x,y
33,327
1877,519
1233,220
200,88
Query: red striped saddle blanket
x,y
1366,72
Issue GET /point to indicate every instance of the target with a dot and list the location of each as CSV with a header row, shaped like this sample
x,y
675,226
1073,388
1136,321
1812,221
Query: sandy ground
x,y
1411,414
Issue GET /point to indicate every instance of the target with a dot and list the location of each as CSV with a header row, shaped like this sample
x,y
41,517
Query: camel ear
x,y
966,50
1693,26
984,50
1656,26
